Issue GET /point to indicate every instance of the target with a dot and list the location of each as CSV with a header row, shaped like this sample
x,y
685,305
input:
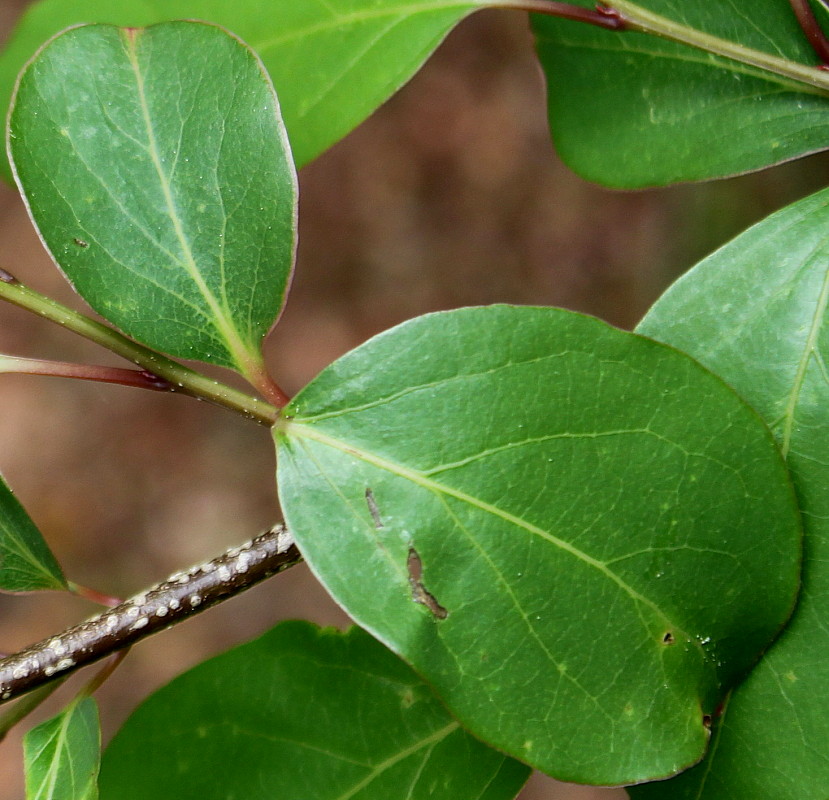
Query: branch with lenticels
x,y
181,596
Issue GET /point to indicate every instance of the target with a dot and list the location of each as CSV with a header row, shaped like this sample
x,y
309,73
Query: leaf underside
x,y
524,504
62,755
302,713
351,55
756,313
26,563
630,110
156,168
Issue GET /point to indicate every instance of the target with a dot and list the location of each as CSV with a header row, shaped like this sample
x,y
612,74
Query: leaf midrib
x,y
429,741
809,350
365,15
375,770
52,771
704,59
222,318
303,431
16,545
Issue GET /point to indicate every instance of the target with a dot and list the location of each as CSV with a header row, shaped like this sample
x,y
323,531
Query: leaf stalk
x,y
103,675
94,596
811,27
178,377
141,379
602,16
629,16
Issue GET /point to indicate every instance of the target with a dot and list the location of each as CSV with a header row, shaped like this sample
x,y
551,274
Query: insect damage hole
x,y
373,509
668,638
419,592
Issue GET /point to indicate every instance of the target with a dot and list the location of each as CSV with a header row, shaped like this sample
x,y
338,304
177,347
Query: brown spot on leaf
x,y
372,508
419,592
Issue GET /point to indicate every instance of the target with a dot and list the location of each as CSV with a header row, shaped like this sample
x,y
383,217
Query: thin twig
x,y
138,378
603,16
179,377
811,27
179,597
103,675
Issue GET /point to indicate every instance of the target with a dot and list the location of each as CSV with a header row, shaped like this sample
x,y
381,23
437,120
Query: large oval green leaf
x,y
302,713
631,110
156,168
26,563
62,754
580,537
332,63
756,312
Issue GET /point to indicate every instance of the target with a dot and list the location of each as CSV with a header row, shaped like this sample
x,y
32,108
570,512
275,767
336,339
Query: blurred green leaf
x,y
531,507
333,63
63,753
26,563
631,110
302,713
756,313
155,165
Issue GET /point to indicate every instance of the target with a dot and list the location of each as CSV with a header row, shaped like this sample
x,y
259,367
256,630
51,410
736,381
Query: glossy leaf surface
x,y
26,563
524,503
332,63
302,713
155,165
630,110
62,755
756,313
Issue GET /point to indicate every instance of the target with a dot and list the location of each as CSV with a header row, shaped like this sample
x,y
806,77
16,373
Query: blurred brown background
x,y
450,195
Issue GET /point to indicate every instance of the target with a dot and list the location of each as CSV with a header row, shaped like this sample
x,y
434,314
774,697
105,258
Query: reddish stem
x,y
141,379
603,16
270,389
94,595
811,27
103,675
275,394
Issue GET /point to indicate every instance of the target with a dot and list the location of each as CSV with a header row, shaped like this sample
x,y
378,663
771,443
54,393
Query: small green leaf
x,y
351,54
555,522
756,312
26,563
630,110
63,753
302,713
156,168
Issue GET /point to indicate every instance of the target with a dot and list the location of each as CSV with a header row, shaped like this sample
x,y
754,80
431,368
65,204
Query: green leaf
x,y
155,165
62,755
756,313
532,508
302,713
26,563
630,109
351,55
